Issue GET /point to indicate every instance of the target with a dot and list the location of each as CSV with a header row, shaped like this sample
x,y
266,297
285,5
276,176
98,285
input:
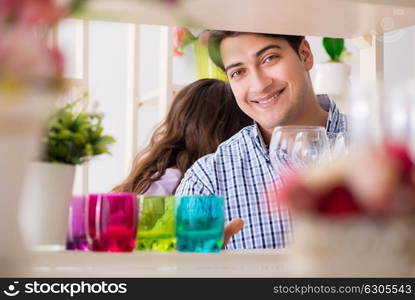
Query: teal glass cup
x,y
156,228
199,223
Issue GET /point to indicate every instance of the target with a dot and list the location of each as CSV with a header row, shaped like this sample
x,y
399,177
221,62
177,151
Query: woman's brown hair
x,y
203,115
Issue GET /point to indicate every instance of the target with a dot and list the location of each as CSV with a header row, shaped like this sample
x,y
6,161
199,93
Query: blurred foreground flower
x,y
36,12
30,12
378,183
27,61
30,78
355,217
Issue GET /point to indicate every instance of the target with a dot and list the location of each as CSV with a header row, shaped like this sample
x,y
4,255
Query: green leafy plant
x,y
334,48
74,135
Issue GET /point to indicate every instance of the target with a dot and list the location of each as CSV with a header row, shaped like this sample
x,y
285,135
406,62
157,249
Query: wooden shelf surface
x,y
334,18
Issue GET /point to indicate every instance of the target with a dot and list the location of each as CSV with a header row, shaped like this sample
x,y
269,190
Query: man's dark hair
x,y
217,36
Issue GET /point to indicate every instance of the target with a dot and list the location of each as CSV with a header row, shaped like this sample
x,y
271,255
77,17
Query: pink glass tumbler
x,y
112,222
76,238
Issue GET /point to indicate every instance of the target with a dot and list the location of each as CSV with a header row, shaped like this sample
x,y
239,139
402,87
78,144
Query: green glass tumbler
x,y
156,229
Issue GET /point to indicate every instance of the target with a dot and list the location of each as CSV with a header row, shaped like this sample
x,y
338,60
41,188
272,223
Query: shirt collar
x,y
331,126
258,137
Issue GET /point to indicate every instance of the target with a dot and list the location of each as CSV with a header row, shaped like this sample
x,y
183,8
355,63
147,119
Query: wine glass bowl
x,y
294,147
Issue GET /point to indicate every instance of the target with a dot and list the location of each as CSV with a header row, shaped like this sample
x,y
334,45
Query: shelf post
x,y
371,59
372,76
131,121
166,71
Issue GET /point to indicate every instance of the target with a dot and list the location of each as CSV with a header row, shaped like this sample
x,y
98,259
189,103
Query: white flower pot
x,y
21,122
45,205
355,247
331,78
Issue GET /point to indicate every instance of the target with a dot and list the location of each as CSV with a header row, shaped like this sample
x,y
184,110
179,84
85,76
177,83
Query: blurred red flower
x,y
32,12
378,182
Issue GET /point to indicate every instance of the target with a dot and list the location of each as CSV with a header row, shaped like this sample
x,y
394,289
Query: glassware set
x,y
124,222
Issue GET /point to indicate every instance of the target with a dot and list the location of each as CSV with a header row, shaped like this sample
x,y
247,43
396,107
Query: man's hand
x,y
233,227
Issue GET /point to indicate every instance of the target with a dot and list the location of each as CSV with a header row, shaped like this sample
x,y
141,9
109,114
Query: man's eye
x,y
236,74
269,58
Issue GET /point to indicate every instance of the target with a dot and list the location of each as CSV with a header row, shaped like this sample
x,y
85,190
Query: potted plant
x,y
205,68
332,77
73,136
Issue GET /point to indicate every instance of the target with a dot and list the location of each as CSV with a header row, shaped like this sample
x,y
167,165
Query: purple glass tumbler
x,y
76,238
112,222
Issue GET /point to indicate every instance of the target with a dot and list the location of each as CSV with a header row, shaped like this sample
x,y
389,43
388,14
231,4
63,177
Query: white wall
x,y
399,51
148,79
108,65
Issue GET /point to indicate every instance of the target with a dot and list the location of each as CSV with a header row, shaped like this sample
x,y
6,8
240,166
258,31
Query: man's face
x,y
268,78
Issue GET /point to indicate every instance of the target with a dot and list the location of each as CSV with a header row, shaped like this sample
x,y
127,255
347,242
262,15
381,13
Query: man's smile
x,y
269,99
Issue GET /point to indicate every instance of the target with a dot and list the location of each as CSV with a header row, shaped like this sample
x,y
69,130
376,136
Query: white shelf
x,y
228,263
246,263
335,18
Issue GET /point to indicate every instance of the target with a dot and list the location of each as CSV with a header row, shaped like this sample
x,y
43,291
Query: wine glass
x,y
339,144
294,147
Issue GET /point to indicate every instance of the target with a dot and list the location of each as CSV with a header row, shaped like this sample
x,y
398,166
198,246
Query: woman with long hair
x,y
203,115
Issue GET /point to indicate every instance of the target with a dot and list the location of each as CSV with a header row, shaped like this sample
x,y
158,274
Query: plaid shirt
x,y
240,170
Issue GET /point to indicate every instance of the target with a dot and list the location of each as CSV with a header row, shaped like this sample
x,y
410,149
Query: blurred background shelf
x,y
335,18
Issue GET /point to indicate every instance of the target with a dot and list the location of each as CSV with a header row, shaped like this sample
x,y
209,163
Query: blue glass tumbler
x,y
199,223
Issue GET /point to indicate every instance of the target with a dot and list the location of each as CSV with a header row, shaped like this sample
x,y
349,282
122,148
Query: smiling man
x,y
269,76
